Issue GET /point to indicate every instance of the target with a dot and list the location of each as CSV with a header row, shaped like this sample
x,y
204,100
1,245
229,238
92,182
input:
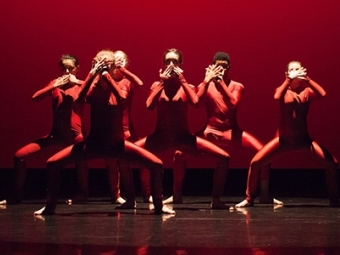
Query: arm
x,y
57,83
211,72
115,87
281,91
316,87
233,97
42,93
193,98
155,92
130,76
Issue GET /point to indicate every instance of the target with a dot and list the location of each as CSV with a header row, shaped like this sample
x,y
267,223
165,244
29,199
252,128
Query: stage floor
x,y
301,226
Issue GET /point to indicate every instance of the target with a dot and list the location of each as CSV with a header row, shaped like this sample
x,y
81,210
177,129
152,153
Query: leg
x,y
178,173
323,156
113,175
250,141
144,176
265,155
220,172
83,183
140,156
20,166
54,166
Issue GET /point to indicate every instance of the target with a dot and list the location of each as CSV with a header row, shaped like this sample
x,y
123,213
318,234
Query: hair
x,y
126,57
108,52
221,56
293,61
177,52
68,56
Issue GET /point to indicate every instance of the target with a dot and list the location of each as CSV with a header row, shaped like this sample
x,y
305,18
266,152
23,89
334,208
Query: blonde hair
x,y
107,52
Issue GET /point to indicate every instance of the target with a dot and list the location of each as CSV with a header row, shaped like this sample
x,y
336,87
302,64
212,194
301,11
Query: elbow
x,y
276,97
36,98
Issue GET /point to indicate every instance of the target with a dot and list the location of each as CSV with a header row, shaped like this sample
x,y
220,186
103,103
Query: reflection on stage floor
x,y
301,226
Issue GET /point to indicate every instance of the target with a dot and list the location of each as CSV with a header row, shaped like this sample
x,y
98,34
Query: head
x,y
122,55
69,64
222,59
293,66
172,56
108,55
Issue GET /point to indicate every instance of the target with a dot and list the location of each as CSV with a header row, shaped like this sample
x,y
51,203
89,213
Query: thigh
x,y
250,141
206,147
36,146
321,154
138,155
268,152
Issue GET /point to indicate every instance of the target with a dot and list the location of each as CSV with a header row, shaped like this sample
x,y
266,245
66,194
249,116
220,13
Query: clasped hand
x,y
169,70
214,72
300,73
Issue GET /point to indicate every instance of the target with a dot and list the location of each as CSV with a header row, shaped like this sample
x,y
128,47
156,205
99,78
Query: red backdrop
x,y
260,36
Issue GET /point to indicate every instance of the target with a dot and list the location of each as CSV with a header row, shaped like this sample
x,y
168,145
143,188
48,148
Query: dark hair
x,y
68,56
221,56
177,52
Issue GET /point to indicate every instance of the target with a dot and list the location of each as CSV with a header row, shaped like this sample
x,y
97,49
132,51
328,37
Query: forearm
x,y
281,91
233,99
155,92
115,87
202,92
42,93
316,87
85,87
130,76
188,91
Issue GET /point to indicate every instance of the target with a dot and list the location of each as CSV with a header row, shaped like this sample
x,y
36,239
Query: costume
x,y
221,126
294,136
172,98
66,130
105,140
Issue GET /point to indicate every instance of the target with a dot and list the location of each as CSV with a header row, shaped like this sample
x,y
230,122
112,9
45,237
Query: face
x,y
171,58
104,55
222,63
69,67
121,55
293,66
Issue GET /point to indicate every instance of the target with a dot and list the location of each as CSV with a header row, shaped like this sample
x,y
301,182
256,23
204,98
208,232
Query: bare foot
x,y
120,200
277,202
127,205
44,211
244,203
3,202
167,210
169,200
173,200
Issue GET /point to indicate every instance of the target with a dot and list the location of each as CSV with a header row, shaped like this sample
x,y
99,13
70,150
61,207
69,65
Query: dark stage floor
x,y
301,226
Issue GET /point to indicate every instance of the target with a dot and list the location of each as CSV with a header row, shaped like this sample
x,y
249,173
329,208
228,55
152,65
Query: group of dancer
x,y
109,89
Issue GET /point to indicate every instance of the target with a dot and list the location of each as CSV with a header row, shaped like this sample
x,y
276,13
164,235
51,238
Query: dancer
x,y
66,127
172,95
221,96
106,137
294,96
115,167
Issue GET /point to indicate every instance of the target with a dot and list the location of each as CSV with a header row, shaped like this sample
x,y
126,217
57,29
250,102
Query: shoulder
x,y
236,86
